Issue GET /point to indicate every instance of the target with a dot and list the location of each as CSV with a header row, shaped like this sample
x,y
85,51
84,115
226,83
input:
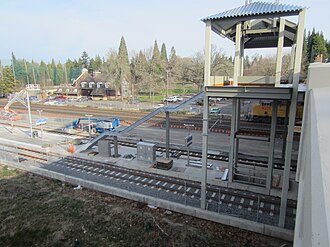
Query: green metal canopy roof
x,y
256,9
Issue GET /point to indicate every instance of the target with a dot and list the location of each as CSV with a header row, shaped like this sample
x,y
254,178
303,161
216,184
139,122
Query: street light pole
x,y
167,83
41,128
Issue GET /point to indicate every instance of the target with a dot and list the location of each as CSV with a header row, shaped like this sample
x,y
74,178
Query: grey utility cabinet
x,y
146,152
104,148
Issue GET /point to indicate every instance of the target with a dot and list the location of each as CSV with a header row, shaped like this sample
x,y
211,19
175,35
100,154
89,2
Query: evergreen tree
x,y
319,45
43,74
52,71
84,60
123,61
139,72
163,53
156,66
7,82
155,53
60,77
19,70
97,64
123,64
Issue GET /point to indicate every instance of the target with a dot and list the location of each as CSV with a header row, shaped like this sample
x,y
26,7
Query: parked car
x,y
158,106
173,99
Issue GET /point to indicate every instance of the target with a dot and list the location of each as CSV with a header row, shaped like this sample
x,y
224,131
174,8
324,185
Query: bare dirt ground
x,y
35,211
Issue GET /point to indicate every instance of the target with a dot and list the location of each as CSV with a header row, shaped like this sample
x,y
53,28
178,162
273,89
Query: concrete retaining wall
x,y
272,231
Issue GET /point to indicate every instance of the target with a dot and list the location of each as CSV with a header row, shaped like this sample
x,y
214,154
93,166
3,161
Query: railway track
x,y
177,152
266,207
132,116
242,159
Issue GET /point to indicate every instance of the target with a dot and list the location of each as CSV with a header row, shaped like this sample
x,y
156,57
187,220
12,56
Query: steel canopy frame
x,y
255,25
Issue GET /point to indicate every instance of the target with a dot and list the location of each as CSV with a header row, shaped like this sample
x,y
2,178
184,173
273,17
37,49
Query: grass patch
x,y
6,172
155,99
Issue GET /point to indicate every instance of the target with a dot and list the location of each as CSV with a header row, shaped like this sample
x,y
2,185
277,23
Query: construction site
x,y
236,153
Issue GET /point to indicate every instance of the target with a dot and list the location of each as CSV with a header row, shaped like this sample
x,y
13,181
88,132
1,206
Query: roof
x,y
255,9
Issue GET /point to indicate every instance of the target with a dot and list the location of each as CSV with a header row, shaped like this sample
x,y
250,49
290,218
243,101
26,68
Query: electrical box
x,y
104,147
146,152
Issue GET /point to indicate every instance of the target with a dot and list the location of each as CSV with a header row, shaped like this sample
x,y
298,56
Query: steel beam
x,y
250,92
167,135
204,150
271,146
292,118
247,95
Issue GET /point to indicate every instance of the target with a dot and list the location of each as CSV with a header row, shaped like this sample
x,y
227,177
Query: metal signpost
x,y
188,141
89,124
41,122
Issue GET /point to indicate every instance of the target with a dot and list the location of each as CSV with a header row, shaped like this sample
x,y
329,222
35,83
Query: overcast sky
x,y
61,29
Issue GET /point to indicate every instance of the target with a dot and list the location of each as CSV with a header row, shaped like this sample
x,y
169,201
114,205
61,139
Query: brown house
x,y
93,84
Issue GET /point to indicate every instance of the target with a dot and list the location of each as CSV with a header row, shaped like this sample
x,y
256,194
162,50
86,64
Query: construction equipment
x,y
97,125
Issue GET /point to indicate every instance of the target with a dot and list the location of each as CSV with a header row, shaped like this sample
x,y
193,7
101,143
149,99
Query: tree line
x,y
155,68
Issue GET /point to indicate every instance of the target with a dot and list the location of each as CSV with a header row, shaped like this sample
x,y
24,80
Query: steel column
x,y
207,68
241,72
115,144
167,135
271,146
204,150
237,126
279,53
237,64
292,57
232,140
292,118
285,132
